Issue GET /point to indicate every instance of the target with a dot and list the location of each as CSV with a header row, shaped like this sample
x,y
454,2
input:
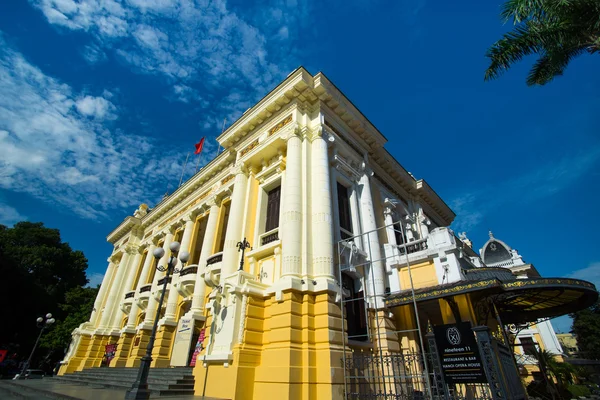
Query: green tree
x,y
76,308
586,327
37,270
556,30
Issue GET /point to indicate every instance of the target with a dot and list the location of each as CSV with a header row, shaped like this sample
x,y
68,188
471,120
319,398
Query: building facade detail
x,y
340,236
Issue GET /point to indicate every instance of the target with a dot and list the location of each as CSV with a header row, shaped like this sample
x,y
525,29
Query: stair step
x,y
161,381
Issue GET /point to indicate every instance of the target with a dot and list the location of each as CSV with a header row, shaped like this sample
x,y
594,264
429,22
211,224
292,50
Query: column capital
x,y
132,249
294,131
113,259
239,168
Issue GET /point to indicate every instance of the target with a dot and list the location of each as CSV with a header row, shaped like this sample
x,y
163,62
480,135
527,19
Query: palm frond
x,y
551,65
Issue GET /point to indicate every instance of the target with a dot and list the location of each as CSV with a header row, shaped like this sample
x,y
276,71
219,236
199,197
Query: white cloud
x,y
591,273
190,42
97,107
58,145
9,215
534,185
93,54
95,279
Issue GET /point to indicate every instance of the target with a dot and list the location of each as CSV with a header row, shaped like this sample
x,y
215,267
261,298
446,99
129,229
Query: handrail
x,y
146,288
215,258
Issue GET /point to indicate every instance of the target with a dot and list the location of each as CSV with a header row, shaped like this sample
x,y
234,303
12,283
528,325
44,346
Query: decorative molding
x,y
249,148
280,125
243,318
227,179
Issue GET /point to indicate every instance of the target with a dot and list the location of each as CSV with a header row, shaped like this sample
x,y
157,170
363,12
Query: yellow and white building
x,y
301,171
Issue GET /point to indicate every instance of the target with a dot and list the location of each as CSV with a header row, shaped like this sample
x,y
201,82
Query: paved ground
x,y
47,388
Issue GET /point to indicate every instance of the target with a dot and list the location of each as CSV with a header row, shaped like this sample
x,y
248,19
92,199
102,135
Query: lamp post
x,y
242,246
139,389
43,323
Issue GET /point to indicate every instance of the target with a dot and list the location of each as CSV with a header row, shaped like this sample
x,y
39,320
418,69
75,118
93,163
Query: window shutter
x,y
273,201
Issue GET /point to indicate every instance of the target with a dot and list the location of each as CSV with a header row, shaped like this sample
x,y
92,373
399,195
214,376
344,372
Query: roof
x,y
517,300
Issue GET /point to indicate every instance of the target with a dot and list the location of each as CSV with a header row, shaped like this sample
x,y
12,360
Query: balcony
x,y
212,272
159,287
187,280
127,302
269,237
142,298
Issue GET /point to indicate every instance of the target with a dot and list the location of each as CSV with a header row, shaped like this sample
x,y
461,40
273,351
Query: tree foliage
x,y
556,30
586,327
38,270
76,308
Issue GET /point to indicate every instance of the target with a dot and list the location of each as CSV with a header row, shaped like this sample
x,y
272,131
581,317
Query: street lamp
x,y
43,323
139,389
242,246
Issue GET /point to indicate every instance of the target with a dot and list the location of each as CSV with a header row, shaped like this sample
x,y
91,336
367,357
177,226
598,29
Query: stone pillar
x,y
393,276
102,292
205,252
291,216
234,232
375,277
152,302
125,284
131,321
171,310
322,228
112,300
131,274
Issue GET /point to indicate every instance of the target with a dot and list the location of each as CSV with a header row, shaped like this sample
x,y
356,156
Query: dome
x,y
496,251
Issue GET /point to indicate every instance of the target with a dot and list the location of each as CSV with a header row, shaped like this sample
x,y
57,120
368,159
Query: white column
x,y
112,301
322,228
102,292
152,302
205,252
393,276
234,233
130,270
171,310
141,282
375,278
291,216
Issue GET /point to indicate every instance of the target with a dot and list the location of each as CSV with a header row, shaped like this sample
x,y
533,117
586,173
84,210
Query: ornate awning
x,y
517,300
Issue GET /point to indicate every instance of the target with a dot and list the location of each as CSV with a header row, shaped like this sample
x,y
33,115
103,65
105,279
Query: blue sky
x,y
101,100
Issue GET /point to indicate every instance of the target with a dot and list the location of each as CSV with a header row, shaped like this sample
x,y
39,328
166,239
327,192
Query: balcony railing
x,y
130,295
216,258
269,237
162,280
146,288
189,270
409,248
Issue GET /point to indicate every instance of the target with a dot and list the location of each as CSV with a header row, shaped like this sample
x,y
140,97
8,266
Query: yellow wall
x,y
423,275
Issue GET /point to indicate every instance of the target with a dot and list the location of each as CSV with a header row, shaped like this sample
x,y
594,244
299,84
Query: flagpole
x,y
222,130
198,163
183,170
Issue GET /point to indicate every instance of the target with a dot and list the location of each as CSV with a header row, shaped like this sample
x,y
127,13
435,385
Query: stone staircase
x,y
161,381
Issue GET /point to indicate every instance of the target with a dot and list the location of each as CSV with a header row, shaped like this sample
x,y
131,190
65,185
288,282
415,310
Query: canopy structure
x,y
517,300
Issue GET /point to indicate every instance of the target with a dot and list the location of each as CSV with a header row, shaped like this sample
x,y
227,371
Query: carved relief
x,y
249,147
280,125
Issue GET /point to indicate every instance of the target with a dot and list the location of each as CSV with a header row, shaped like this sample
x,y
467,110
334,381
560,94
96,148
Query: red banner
x,y
3,355
109,352
198,348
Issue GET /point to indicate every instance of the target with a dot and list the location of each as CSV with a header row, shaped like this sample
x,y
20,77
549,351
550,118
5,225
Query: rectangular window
x,y
400,234
344,211
200,229
223,227
273,201
528,345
